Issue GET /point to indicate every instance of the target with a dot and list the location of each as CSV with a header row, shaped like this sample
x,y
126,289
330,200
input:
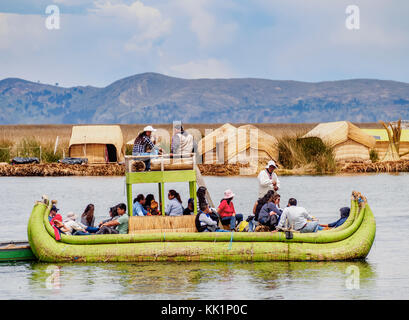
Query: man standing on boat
x,y
268,179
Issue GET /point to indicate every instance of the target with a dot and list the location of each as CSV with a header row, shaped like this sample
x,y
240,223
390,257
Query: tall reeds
x,y
308,154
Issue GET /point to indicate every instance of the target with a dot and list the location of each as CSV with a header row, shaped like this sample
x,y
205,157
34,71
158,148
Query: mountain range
x,y
156,98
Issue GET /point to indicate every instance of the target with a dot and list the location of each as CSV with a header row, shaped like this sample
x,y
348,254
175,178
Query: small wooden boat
x,y
16,250
352,240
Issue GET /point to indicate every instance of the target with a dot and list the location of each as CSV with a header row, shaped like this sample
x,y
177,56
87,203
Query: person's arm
x,y
274,210
220,208
264,179
76,226
277,181
111,223
207,220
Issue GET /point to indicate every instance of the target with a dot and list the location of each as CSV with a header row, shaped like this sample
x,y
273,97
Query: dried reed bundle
x,y
162,224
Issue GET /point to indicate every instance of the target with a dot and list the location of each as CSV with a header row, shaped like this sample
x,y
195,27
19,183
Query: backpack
x,y
199,227
243,226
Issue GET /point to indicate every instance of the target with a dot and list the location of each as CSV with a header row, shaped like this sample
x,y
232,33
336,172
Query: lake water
x,y
384,274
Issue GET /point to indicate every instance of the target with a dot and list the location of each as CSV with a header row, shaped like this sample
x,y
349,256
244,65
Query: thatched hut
x,y
350,143
228,144
382,142
99,144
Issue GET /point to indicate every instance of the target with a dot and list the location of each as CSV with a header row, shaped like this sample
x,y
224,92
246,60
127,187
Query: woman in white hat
x,y
227,212
74,228
268,179
143,145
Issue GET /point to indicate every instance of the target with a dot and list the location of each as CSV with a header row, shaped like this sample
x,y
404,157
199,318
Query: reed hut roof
x,y
335,133
98,134
382,135
236,143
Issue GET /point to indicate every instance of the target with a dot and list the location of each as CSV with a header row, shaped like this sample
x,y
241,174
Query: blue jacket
x,y
138,210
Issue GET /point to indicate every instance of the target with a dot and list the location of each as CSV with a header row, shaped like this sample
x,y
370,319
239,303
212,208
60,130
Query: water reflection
x,y
264,280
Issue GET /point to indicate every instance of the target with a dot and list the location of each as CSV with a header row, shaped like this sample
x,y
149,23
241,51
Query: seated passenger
x,y
253,219
74,228
113,215
174,206
53,215
227,212
190,208
297,218
270,212
88,219
120,225
138,203
344,212
205,223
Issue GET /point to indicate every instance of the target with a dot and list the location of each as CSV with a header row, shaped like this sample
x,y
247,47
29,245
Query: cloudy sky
x,y
101,41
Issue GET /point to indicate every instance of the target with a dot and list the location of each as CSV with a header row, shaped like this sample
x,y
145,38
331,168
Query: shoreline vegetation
x,y
297,156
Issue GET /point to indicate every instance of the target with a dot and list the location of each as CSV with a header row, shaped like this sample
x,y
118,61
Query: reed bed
x,y
60,169
368,166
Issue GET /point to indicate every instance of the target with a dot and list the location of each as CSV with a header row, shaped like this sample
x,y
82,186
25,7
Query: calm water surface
x,y
384,274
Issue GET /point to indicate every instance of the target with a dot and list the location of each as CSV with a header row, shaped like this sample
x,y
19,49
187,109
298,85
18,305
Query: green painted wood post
x,y
129,198
192,190
162,197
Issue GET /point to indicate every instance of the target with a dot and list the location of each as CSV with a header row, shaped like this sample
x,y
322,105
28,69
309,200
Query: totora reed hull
x,y
353,240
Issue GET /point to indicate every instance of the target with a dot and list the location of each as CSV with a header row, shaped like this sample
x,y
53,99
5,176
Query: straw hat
x,y
228,194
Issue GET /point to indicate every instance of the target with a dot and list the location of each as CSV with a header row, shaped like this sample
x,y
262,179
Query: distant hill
x,y
156,98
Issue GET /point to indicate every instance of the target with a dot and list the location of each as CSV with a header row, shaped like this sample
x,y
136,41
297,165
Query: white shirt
x,y
296,216
265,183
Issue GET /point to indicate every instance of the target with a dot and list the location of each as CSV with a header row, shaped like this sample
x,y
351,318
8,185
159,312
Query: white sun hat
x,y
149,128
271,163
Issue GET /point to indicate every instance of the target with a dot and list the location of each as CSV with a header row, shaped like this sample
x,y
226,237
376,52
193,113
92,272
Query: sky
x,y
101,41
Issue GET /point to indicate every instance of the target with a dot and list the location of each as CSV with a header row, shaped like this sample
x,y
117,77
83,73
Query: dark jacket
x,y
344,216
265,212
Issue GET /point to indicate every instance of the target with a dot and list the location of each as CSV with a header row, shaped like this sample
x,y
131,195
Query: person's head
x,y
113,212
173,194
276,198
89,212
344,212
292,202
121,208
149,199
53,211
140,198
201,192
178,128
148,130
71,216
271,166
228,195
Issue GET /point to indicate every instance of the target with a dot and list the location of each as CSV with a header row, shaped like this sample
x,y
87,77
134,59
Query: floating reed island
x,y
225,150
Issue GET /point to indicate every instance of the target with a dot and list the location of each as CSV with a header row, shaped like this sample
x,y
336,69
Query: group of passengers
x,y
117,223
147,206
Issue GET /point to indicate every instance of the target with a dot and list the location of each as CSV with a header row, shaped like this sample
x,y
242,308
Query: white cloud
x,y
209,31
146,24
208,68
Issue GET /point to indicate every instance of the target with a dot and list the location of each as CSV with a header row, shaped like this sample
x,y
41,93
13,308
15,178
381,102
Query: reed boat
x,y
353,240
16,251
